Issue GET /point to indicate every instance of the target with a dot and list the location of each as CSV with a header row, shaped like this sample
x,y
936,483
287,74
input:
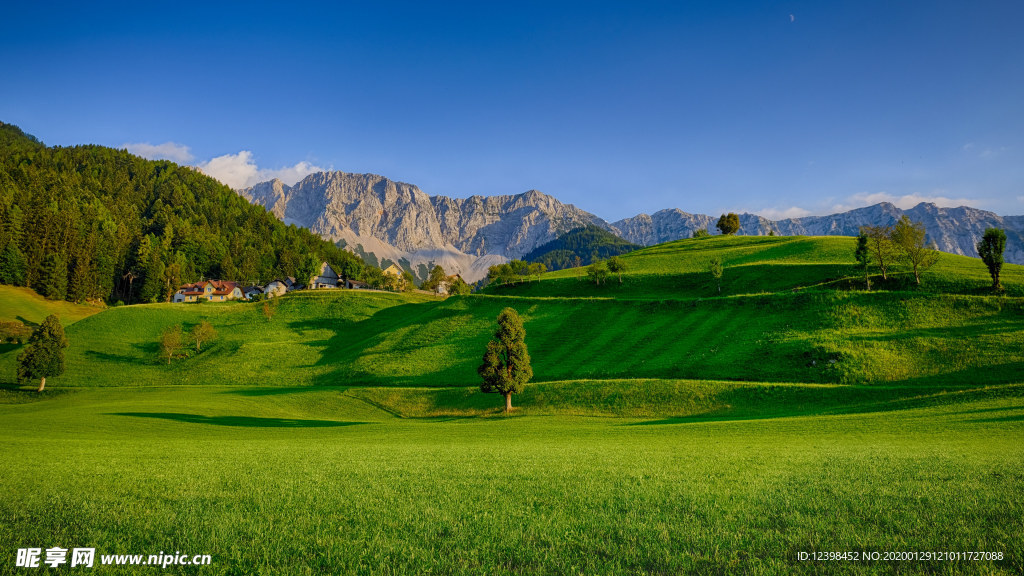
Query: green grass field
x,y
667,430
321,481
26,306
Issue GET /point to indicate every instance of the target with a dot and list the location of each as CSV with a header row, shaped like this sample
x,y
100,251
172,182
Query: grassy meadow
x,y
317,480
26,306
667,429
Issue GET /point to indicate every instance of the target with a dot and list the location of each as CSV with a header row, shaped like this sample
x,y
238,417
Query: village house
x,y
210,290
251,292
394,270
279,287
444,285
327,278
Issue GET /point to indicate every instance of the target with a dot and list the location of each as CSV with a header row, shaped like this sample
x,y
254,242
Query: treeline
x,y
90,222
580,247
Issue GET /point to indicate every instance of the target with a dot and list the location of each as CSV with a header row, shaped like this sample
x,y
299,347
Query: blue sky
x,y
781,108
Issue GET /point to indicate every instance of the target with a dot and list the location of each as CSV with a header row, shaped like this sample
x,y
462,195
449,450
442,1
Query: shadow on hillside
x,y
8,346
118,358
364,352
987,410
858,400
240,421
279,390
983,327
26,321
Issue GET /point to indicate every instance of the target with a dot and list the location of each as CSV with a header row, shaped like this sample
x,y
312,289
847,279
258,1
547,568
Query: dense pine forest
x,y
94,223
580,247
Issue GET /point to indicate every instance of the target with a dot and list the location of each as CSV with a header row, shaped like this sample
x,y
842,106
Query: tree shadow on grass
x,y
280,390
240,421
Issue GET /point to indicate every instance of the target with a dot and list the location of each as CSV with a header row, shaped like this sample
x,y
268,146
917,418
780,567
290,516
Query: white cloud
x,y
792,18
905,201
167,151
782,213
240,170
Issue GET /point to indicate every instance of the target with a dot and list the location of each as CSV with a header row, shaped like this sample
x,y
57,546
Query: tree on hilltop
x,y
881,247
728,223
44,355
506,362
909,237
990,248
701,233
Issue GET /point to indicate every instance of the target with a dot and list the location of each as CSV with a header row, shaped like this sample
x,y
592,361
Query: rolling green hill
x,y
760,264
650,327
665,432
583,245
24,305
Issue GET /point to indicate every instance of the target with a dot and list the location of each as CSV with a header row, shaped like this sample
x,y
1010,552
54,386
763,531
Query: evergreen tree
x,y
43,357
12,265
54,277
506,362
990,248
863,256
153,284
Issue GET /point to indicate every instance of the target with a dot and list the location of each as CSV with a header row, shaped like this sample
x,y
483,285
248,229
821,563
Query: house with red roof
x,y
211,290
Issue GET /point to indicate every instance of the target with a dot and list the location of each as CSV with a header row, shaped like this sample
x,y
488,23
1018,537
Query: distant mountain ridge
x,y
398,222
384,220
953,230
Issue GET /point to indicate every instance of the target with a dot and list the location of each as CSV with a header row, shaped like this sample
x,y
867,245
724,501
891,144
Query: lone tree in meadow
x,y
728,223
616,266
990,248
716,269
506,365
881,247
909,238
863,256
202,332
701,233
44,355
170,342
598,272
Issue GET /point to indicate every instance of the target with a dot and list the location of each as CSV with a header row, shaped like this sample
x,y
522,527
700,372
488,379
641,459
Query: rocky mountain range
x,y
383,221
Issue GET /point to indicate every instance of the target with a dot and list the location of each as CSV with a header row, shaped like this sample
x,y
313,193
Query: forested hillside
x,y
580,247
90,222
